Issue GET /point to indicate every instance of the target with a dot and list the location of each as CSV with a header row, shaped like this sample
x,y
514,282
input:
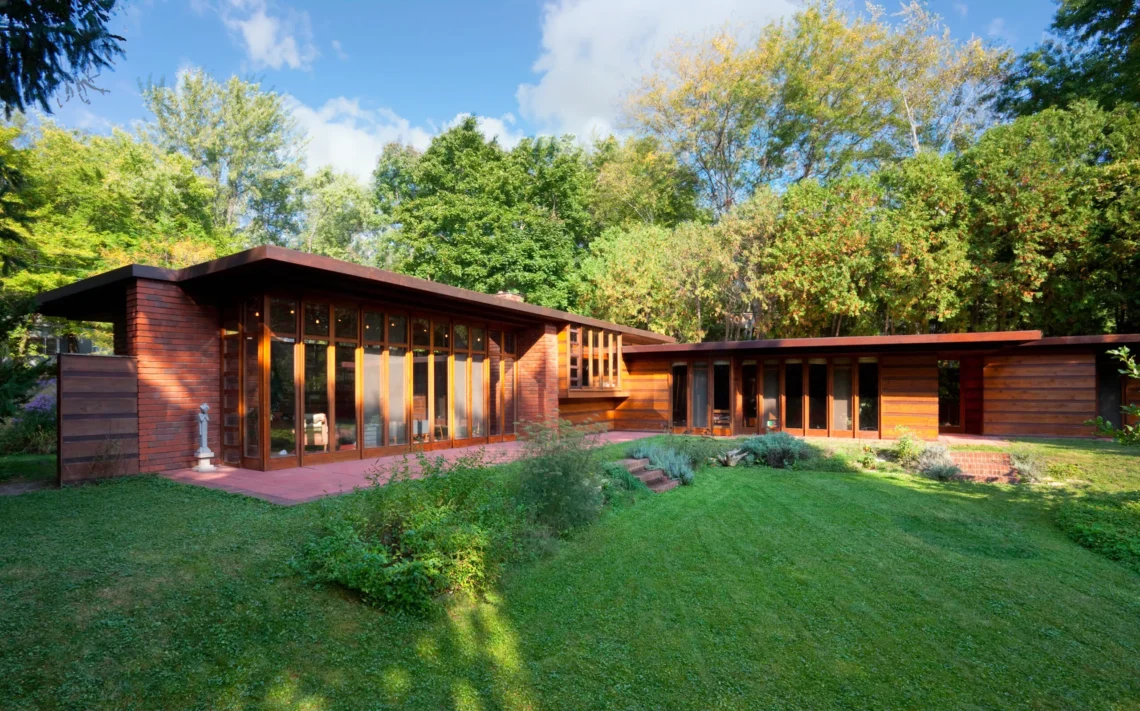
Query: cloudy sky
x,y
360,74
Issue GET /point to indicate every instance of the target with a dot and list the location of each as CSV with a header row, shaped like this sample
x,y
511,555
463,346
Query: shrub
x,y
640,450
33,431
778,449
558,479
617,479
1028,465
676,465
699,450
868,459
907,449
935,462
434,527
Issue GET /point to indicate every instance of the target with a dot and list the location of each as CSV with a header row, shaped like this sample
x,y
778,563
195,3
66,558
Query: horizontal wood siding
x,y
98,433
589,411
909,386
973,394
647,407
1046,395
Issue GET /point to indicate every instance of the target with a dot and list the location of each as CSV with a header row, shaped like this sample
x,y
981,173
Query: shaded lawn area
x,y
754,588
27,467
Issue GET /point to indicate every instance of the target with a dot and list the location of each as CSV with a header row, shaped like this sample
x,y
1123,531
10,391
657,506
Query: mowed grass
x,y
27,467
754,588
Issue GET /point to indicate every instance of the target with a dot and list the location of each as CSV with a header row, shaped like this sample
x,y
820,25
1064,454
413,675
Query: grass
x,y
27,467
753,588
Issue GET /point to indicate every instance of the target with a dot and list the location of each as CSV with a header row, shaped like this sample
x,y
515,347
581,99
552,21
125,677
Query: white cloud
x,y
594,50
996,29
271,38
962,9
493,128
339,51
349,137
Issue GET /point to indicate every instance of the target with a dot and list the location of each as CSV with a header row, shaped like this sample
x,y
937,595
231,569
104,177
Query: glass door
x,y
722,398
817,397
748,390
770,397
867,401
841,398
680,418
700,418
949,396
794,396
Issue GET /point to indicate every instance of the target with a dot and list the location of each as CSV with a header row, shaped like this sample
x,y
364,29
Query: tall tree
x,y
49,44
638,182
491,220
245,141
819,96
340,220
393,177
1095,54
15,220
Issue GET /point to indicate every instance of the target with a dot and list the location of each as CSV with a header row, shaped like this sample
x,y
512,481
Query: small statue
x,y
204,454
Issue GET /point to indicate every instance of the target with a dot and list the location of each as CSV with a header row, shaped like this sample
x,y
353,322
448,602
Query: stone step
x,y
634,466
664,486
649,477
985,466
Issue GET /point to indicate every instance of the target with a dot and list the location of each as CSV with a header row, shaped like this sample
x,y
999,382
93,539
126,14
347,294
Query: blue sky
x,y
359,74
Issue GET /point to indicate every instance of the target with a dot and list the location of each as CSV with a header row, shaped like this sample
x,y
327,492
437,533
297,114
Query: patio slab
x,y
298,485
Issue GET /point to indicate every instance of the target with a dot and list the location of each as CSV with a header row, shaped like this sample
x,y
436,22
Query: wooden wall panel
x,y
973,394
98,433
909,386
1044,395
647,407
583,411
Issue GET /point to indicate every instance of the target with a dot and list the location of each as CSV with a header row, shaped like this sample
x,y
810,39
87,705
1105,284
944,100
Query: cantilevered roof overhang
x,y
269,268
842,344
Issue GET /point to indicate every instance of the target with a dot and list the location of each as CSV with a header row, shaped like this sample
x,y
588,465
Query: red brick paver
x,y
299,485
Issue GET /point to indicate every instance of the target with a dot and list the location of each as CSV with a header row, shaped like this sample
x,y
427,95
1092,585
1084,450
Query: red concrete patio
x,y
299,485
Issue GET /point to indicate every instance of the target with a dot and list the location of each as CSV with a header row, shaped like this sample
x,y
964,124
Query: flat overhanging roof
x,y
955,341
100,297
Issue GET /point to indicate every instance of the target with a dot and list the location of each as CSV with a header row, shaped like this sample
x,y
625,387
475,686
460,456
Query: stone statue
x,y
204,454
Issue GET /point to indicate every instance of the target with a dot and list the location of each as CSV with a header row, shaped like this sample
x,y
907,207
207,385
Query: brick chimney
x,y
511,296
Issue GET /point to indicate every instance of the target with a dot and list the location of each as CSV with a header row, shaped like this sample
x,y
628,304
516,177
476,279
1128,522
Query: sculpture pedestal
x,y
204,456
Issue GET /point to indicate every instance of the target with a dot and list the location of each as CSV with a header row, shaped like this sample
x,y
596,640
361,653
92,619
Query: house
x,y
305,359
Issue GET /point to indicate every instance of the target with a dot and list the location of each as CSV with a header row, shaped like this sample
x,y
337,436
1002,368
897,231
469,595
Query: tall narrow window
x,y
771,413
508,394
575,352
317,320
868,395
680,395
495,413
231,386
397,395
252,378
398,330
345,322
478,396
700,395
722,394
421,425
317,424
440,431
817,395
459,381
949,394
748,390
345,388
373,424
794,394
282,399
841,395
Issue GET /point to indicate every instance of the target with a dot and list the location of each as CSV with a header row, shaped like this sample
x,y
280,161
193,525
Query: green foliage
x,y
1029,466
31,431
907,449
493,220
1106,523
246,141
434,527
779,449
934,461
558,478
619,487
676,465
868,459
639,183
698,450
1093,53
53,44
679,456
340,222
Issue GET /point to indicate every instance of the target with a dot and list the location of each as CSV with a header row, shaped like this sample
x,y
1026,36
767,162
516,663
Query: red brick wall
x,y
538,374
178,348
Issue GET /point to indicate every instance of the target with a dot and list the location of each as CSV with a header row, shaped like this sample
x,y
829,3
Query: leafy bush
x,y
1128,434
907,449
1106,523
868,459
1028,465
558,479
699,450
778,449
617,478
676,465
33,431
434,527
640,450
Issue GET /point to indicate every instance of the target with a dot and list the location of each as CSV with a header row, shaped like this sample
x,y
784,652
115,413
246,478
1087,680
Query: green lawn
x,y
27,467
754,588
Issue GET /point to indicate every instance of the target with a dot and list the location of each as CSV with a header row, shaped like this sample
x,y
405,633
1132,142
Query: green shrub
x,y
435,527
778,449
33,431
676,465
618,485
1028,465
934,461
558,476
907,448
867,458
640,450
698,450
1106,523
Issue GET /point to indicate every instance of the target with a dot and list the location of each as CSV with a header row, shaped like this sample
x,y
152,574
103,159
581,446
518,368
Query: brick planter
x,y
985,466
